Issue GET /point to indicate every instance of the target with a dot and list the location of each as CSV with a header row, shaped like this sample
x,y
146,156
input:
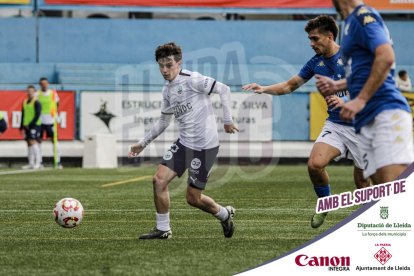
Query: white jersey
x,y
188,98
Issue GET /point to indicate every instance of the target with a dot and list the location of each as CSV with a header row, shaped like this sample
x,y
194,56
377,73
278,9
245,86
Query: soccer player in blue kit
x,y
337,139
380,113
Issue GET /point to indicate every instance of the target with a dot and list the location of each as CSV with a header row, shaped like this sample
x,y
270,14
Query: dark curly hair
x,y
168,49
324,23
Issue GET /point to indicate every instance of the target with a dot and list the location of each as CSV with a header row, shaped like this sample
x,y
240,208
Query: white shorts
x,y
344,139
387,140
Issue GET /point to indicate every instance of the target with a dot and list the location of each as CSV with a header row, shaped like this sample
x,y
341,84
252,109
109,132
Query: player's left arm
x,y
224,92
207,85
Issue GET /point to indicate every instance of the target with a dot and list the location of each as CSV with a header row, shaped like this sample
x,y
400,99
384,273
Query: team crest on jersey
x,y
368,19
321,63
363,10
180,90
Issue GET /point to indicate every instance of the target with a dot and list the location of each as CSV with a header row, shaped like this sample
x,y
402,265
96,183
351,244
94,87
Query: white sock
x,y
38,157
40,153
222,214
31,156
163,221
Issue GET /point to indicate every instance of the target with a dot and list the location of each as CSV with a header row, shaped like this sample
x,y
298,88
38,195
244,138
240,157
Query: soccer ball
x,y
68,212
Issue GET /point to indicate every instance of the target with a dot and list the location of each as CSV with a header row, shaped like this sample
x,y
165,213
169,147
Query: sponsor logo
x,y
104,114
383,255
333,263
384,212
206,83
168,155
181,109
194,171
195,163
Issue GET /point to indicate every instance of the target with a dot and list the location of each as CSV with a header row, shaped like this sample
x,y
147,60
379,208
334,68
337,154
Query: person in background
x,y
49,101
30,127
403,81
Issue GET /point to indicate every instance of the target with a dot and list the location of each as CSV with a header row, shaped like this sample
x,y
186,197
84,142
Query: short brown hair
x,y
168,49
324,23
30,87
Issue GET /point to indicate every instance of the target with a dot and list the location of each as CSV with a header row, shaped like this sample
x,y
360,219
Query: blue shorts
x,y
198,162
32,133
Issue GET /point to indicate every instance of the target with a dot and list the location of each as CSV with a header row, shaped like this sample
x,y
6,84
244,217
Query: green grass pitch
x,y
273,204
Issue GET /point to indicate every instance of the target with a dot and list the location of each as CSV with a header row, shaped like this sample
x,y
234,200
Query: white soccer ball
x,y
68,212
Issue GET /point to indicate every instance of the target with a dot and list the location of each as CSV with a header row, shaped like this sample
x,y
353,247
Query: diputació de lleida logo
x,y
384,212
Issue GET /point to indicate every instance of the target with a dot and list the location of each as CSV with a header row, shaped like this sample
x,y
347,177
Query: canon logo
x,y
303,260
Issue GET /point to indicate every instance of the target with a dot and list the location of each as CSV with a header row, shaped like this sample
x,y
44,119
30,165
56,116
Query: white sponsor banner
x,y
130,115
379,241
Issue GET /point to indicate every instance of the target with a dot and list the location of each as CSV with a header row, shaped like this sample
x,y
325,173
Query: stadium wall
x,y
133,41
97,55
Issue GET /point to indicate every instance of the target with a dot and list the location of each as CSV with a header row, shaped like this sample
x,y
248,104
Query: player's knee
x,y
315,164
159,183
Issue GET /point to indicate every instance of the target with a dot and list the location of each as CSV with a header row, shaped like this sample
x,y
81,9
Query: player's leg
x,y
199,164
30,156
197,199
40,140
359,179
328,146
388,173
50,135
320,157
30,137
36,147
160,182
172,165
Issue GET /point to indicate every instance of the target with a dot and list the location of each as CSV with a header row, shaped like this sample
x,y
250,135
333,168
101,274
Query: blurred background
x,y
99,56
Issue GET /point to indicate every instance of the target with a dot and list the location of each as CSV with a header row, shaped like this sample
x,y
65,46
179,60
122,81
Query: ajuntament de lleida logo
x,y
384,212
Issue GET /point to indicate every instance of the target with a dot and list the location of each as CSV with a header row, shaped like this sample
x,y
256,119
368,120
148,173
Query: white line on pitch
x,y
24,171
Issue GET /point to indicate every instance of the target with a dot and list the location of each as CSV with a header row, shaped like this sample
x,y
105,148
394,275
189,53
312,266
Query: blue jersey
x,y
330,67
364,31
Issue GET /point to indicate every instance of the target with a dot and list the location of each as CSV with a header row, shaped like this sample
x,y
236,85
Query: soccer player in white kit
x,y
186,95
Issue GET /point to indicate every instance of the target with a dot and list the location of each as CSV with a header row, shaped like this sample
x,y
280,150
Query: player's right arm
x,y
277,89
155,131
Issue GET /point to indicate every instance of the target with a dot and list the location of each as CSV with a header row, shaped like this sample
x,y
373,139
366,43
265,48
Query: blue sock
x,y
322,191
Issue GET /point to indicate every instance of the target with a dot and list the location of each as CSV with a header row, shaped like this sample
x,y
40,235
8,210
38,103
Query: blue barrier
x,y
18,40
